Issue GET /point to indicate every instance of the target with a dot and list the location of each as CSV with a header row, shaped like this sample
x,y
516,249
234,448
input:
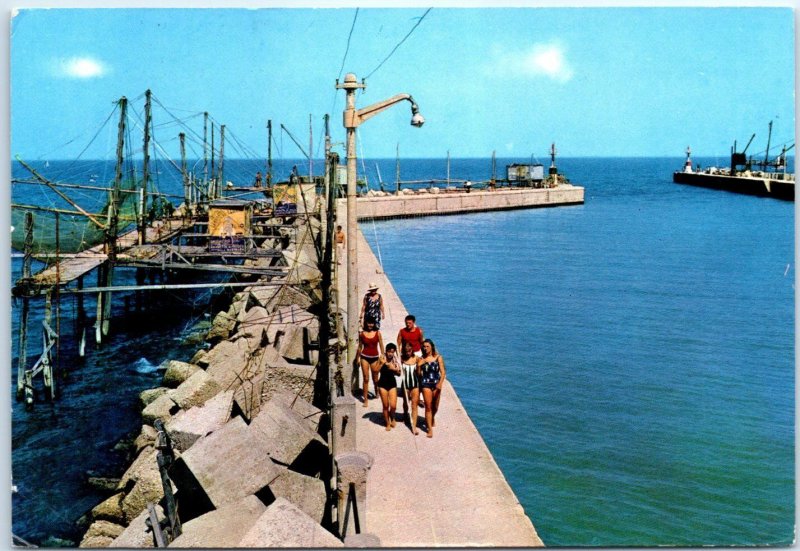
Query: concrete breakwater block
x,y
162,408
223,467
362,541
221,327
223,527
310,414
196,390
94,542
287,438
285,525
147,397
141,484
227,361
137,534
305,492
110,509
103,528
276,297
147,437
189,425
177,372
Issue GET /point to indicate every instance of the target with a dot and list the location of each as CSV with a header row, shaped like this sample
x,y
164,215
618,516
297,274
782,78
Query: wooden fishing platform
x,y
75,266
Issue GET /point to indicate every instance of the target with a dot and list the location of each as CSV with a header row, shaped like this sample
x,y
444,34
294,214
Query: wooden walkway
x,y
72,267
445,491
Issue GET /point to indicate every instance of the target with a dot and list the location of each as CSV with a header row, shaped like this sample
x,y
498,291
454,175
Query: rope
x,y
399,43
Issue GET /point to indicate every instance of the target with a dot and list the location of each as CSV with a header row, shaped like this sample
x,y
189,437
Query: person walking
x,y
411,333
372,306
370,350
431,373
339,238
386,384
409,384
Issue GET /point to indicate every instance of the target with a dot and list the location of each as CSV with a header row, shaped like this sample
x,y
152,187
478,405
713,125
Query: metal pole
x,y
350,86
211,185
397,169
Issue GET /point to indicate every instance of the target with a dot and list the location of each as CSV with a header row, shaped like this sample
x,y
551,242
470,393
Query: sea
x,y
629,362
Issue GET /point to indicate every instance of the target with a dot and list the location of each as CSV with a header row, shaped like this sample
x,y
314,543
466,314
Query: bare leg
x,y
365,380
392,398
437,394
427,396
385,403
374,367
414,392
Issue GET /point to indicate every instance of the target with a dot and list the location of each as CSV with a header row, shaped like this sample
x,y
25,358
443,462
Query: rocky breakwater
x,y
250,447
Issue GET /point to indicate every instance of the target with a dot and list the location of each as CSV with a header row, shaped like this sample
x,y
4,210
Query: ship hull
x,y
762,187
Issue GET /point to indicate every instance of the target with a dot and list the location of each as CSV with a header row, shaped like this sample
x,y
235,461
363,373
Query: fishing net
x,y
76,232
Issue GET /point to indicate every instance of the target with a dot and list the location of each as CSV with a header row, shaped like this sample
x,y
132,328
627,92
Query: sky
x,y
614,81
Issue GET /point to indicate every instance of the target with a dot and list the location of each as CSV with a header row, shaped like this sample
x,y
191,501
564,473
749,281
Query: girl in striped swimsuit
x,y
410,385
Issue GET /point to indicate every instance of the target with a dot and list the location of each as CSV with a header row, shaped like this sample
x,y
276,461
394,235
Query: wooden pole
x,y
145,169
47,366
58,293
221,179
269,153
186,195
211,184
205,155
81,318
22,358
310,149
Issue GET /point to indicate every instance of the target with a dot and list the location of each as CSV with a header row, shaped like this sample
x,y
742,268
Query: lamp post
x,y
352,119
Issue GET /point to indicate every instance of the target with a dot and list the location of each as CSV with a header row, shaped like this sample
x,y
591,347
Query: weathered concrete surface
x,y
187,426
306,492
227,361
110,509
195,390
285,434
223,527
177,372
285,525
147,397
225,466
141,483
431,204
466,499
137,534
162,408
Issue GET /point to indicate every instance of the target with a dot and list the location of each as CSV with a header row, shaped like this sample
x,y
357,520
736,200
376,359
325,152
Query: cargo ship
x,y
765,178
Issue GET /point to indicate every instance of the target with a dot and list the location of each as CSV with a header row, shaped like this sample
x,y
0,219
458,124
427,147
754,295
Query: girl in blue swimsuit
x,y
431,374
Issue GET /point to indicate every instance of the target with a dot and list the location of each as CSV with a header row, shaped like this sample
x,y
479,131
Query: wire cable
x,y
399,43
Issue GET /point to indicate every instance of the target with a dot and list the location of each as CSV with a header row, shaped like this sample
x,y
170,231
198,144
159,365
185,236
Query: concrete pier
x,y
445,491
439,202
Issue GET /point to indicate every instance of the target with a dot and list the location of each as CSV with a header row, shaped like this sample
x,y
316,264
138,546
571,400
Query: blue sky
x,y
597,81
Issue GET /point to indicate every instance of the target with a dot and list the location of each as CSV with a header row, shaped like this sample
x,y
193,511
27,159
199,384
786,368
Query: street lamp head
x,y
417,120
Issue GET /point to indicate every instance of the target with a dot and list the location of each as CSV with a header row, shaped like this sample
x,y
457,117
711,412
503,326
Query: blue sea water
x,y
629,362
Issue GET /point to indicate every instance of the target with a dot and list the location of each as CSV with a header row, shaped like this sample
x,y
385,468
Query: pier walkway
x,y
445,491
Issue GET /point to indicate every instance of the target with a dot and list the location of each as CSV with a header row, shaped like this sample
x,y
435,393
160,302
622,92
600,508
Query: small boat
x,y
766,178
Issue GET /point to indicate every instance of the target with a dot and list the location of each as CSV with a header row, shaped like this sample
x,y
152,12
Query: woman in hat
x,y
431,374
372,306
370,350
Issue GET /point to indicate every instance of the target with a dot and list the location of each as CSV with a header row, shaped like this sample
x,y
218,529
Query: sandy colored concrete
x,y
429,204
426,492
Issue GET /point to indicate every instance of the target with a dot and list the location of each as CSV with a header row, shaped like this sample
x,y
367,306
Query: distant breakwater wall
x,y
438,201
251,457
